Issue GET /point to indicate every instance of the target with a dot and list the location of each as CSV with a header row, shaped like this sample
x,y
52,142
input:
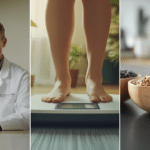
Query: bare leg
x,y
60,26
97,16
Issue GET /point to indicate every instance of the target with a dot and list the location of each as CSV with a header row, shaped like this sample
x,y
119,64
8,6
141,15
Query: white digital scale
x,y
75,108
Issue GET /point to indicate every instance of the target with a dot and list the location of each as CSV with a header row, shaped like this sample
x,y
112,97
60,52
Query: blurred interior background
x,y
135,35
42,67
14,15
135,56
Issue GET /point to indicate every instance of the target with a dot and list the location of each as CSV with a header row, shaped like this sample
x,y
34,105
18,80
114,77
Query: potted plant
x,y
32,76
110,71
75,56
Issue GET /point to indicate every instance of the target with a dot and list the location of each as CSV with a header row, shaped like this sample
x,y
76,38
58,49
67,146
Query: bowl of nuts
x,y
125,76
139,91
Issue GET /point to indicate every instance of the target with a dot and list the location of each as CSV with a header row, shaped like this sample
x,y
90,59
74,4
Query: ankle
x,y
65,81
94,78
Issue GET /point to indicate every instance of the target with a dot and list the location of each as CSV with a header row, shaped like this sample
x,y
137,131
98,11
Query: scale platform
x,y
76,108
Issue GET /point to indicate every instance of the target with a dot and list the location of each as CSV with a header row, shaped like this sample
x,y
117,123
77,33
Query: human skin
x,y
2,45
97,17
60,26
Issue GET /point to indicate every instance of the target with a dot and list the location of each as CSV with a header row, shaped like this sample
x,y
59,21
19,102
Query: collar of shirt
x,y
5,69
1,62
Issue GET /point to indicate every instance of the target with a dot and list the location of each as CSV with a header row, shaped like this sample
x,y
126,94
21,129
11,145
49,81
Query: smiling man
x,y
14,92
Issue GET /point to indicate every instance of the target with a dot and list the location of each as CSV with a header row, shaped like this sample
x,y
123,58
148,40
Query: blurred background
x,y
135,35
42,67
14,15
135,56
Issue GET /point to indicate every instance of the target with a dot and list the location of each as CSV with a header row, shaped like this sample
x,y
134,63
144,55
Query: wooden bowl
x,y
140,95
124,87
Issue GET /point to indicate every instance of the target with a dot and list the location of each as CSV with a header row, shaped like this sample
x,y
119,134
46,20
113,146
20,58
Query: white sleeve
x,y
19,120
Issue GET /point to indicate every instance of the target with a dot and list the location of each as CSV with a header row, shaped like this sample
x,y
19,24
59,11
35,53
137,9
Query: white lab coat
x,y
14,97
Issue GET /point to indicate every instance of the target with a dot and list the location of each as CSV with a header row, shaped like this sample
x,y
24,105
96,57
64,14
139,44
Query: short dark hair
x,y
2,30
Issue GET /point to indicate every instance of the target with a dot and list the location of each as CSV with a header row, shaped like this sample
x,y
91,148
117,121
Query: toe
x,y
44,99
58,100
68,93
105,99
49,99
102,99
94,98
109,98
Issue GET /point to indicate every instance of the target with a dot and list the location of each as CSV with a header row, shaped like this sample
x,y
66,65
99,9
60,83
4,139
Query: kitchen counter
x,y
135,127
14,140
140,66
136,61
135,122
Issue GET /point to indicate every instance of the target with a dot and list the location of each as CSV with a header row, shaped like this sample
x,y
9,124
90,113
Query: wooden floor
x,y
110,89
74,138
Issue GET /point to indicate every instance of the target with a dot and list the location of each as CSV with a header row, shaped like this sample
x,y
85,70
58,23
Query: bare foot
x,y
96,92
58,93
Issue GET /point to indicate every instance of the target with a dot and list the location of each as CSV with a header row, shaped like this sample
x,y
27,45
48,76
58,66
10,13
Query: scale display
x,y
77,106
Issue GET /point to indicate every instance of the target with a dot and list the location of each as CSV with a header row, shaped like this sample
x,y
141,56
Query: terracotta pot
x,y
32,80
74,77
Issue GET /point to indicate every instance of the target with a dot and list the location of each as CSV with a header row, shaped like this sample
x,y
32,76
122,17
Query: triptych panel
x,y
74,74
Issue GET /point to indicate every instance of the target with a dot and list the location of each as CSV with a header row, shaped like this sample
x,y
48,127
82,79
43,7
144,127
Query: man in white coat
x,y
14,92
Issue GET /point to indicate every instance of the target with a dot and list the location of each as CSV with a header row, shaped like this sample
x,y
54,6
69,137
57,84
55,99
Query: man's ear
x,y
4,41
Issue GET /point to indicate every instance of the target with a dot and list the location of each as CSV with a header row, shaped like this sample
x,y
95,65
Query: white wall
x,y
129,17
14,15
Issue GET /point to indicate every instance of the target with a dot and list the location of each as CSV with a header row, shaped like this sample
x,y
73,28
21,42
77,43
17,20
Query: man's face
x,y
2,44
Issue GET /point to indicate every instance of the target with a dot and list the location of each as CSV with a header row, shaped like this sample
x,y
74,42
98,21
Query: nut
x,y
145,81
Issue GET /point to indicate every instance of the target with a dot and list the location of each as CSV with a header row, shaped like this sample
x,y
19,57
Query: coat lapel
x,y
5,69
